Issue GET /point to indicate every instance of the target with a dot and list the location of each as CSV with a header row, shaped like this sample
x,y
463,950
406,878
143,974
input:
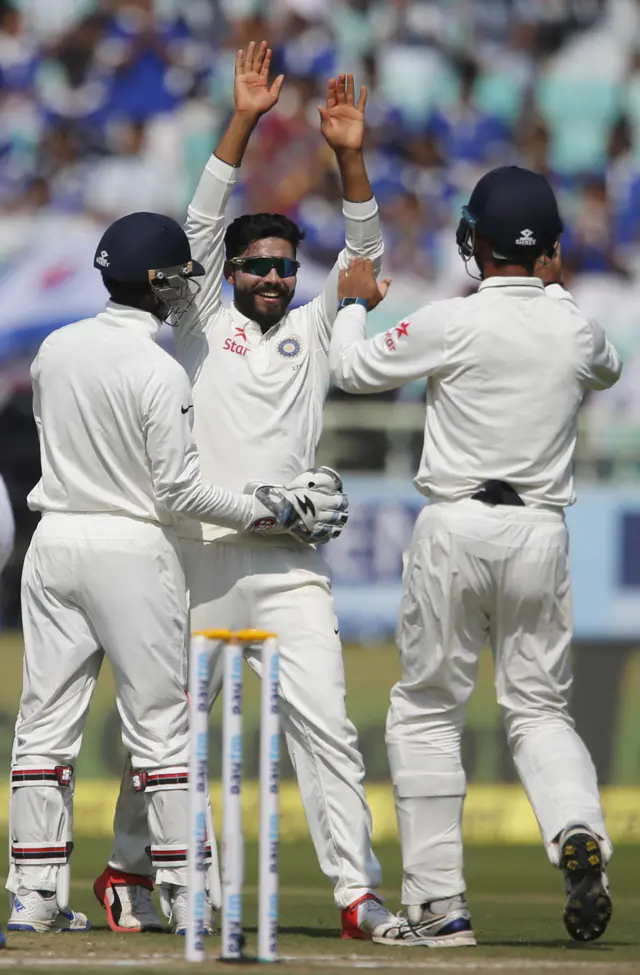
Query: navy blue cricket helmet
x,y
514,209
141,243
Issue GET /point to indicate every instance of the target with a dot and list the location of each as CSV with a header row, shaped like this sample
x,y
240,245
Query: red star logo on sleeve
x,y
402,329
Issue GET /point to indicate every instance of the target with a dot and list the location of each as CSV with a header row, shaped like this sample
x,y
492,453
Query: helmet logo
x,y
527,239
103,260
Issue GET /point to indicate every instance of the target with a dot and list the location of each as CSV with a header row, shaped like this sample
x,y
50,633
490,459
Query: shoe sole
x,y
31,928
588,908
462,939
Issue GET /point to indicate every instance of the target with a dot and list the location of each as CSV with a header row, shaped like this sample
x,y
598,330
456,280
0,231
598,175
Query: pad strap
x,y
160,779
60,776
51,854
173,856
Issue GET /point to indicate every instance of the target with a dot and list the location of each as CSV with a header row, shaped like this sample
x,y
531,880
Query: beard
x,y
264,313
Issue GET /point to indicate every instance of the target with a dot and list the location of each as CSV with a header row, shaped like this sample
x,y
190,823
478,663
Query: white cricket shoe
x,y
365,918
128,900
175,904
438,924
37,911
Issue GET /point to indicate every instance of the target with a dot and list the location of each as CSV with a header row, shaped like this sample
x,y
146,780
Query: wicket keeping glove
x,y
314,507
328,483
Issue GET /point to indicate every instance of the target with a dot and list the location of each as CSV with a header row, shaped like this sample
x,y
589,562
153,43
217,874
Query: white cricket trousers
x,y
476,574
288,592
95,585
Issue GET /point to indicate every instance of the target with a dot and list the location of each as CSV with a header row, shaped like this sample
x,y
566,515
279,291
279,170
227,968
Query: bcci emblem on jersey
x,y
290,347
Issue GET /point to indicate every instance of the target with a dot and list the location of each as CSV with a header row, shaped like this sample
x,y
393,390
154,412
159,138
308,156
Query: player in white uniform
x,y
103,573
260,376
7,526
506,372
7,537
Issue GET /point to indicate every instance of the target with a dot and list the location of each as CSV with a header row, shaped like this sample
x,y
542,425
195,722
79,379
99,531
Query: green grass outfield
x,y
516,898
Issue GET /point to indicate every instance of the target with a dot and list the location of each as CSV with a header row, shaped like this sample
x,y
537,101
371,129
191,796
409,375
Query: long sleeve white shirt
x,y
114,414
258,398
506,372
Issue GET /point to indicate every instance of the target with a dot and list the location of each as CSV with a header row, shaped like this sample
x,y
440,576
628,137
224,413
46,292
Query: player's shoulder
x,y
563,306
67,337
440,311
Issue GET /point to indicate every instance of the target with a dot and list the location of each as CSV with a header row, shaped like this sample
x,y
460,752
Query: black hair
x,y
467,70
135,294
256,226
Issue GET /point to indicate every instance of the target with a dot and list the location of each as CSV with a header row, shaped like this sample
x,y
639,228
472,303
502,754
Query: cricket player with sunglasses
x,y
260,375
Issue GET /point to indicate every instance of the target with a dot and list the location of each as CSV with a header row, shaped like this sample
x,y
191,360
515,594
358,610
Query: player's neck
x,y
506,271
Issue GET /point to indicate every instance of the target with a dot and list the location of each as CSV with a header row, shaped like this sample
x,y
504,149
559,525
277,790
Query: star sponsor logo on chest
x,y
289,347
237,343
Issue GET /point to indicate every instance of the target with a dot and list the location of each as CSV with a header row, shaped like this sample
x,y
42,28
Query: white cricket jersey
x,y
258,398
507,369
114,414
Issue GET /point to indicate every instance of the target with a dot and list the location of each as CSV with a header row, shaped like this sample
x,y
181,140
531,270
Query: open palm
x,y
342,119
252,92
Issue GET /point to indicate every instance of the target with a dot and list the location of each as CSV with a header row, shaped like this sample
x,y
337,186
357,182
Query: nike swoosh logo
x,y
185,409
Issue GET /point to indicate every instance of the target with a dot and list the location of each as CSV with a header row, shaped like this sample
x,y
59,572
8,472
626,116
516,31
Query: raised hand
x,y
253,94
342,119
549,269
359,281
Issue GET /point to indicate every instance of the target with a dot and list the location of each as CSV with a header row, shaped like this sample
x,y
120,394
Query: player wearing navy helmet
x,y
506,371
103,575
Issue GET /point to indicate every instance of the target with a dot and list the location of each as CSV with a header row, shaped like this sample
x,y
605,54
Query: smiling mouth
x,y
270,296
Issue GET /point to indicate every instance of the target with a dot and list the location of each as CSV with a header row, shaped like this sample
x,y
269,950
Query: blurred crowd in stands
x,y
110,105
107,106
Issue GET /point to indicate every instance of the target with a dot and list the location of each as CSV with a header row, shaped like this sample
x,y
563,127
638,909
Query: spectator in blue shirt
x,y
464,131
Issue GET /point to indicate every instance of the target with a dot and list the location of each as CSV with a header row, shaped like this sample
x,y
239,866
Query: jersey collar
x,y
123,316
243,322
511,283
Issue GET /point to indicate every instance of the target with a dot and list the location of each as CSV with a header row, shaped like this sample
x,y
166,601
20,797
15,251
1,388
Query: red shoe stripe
x,y
349,918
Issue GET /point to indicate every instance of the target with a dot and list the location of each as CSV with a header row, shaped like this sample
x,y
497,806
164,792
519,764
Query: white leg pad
x,y
166,796
41,819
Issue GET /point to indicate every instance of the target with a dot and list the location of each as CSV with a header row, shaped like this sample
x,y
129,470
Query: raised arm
x,y
602,365
413,349
343,127
205,225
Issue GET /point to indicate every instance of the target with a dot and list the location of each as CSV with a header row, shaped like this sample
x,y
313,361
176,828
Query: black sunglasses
x,y
285,267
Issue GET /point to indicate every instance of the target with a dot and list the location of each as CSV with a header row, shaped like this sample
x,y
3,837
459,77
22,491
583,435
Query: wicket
x,y
232,839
